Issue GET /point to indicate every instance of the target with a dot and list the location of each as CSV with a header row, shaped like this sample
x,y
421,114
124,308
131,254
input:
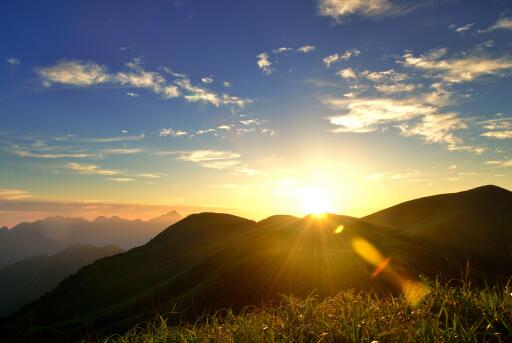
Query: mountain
x,y
54,234
28,279
210,261
476,223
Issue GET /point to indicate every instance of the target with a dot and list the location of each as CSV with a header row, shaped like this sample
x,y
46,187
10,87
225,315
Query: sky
x,y
254,108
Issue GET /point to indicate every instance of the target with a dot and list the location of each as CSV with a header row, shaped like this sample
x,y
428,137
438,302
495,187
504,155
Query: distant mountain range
x,y
28,279
54,234
211,261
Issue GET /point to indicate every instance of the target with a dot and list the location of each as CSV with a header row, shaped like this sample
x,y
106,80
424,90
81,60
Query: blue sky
x,y
252,107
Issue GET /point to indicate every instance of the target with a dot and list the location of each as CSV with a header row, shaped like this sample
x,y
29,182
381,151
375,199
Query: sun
x,y
315,201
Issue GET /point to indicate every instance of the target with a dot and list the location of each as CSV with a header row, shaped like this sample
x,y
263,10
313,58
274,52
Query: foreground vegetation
x,y
456,312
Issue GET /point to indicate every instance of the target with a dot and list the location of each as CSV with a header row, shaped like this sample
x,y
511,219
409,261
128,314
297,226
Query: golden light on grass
x,y
413,291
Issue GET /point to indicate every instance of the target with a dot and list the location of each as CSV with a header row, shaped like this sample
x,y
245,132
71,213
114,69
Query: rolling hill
x,y
51,235
210,261
29,279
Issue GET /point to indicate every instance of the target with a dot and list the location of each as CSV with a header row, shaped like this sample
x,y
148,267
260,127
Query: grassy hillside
x,y
453,313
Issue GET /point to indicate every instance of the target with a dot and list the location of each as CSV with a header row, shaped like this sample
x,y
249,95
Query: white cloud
x,y
347,73
13,194
264,63
132,94
77,73
500,24
389,75
173,133
349,53
226,84
462,28
331,59
505,163
466,68
414,116
396,88
207,155
224,164
281,50
507,134
224,127
338,9
90,169
306,49
13,61
207,79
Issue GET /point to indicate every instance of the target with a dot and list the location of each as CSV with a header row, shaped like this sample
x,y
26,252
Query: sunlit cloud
x,y
14,194
463,69
306,49
347,73
504,23
389,75
119,179
90,169
264,63
207,155
168,132
396,88
77,73
413,116
80,73
32,154
328,60
504,163
349,53
339,10
507,134
220,164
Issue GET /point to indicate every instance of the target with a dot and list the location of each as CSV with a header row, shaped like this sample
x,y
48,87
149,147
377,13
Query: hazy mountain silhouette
x,y
54,234
209,261
28,279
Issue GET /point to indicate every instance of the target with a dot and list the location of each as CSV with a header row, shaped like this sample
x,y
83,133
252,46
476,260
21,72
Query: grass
x,y
453,312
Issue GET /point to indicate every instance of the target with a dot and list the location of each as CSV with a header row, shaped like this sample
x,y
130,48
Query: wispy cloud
x,y
119,179
328,60
504,23
414,116
86,73
506,134
396,88
462,69
306,49
206,155
90,169
123,138
339,10
168,132
462,28
14,194
122,151
13,61
77,73
27,153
